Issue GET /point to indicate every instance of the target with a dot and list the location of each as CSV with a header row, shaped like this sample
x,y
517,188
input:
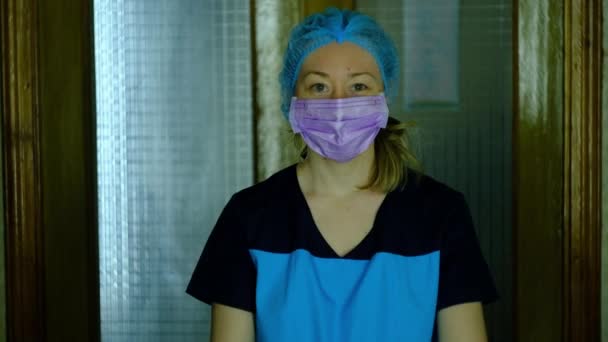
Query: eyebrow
x,y
318,73
351,75
356,74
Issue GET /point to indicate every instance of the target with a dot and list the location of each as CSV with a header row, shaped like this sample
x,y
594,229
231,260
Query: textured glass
x,y
174,141
430,49
463,134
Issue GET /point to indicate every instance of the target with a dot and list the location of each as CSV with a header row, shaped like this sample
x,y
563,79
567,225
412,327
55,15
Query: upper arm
x,y
230,324
464,274
225,272
462,323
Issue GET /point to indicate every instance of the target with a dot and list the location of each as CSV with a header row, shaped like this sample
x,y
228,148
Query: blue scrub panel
x,y
301,297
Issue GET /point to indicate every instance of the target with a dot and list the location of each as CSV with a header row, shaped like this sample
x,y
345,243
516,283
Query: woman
x,y
350,244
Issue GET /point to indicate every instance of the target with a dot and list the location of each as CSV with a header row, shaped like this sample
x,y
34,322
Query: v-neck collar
x,y
361,249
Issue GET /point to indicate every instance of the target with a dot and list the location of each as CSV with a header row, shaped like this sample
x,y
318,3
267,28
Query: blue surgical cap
x,y
340,26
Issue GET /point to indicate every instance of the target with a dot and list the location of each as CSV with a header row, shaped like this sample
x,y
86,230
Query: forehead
x,y
335,58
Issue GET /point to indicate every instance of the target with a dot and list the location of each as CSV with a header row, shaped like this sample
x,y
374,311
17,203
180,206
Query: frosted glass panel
x,y
174,141
463,134
430,47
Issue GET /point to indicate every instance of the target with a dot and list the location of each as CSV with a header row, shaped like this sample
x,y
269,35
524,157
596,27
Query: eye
x,y
360,87
318,88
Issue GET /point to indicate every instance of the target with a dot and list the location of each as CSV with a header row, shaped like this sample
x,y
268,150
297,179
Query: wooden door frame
x,y
537,170
557,170
583,34
25,295
52,286
570,132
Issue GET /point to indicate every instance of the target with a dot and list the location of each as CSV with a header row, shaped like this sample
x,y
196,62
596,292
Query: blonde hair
x,y
393,157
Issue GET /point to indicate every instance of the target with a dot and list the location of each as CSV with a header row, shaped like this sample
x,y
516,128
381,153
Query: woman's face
x,y
337,71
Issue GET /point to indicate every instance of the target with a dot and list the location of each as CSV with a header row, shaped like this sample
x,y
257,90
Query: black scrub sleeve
x,y
225,272
464,275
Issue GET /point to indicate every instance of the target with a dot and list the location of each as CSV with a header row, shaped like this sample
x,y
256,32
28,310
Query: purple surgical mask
x,y
339,129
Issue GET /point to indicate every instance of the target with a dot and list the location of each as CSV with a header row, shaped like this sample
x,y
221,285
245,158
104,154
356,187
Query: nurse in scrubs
x,y
354,242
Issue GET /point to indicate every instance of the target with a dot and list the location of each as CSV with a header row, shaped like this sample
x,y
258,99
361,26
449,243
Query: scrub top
x,y
266,255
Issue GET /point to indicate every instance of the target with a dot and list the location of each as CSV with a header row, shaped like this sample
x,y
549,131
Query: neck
x,y
324,176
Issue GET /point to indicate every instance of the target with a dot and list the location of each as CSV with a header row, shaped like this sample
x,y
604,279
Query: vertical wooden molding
x,y
515,99
21,166
538,171
49,171
68,170
273,22
582,169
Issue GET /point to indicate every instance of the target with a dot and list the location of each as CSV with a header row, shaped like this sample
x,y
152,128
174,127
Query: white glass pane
x,y
463,134
174,141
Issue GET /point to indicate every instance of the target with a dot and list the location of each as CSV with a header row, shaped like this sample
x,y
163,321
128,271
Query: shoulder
x,y
268,192
431,196
259,210
417,216
429,206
